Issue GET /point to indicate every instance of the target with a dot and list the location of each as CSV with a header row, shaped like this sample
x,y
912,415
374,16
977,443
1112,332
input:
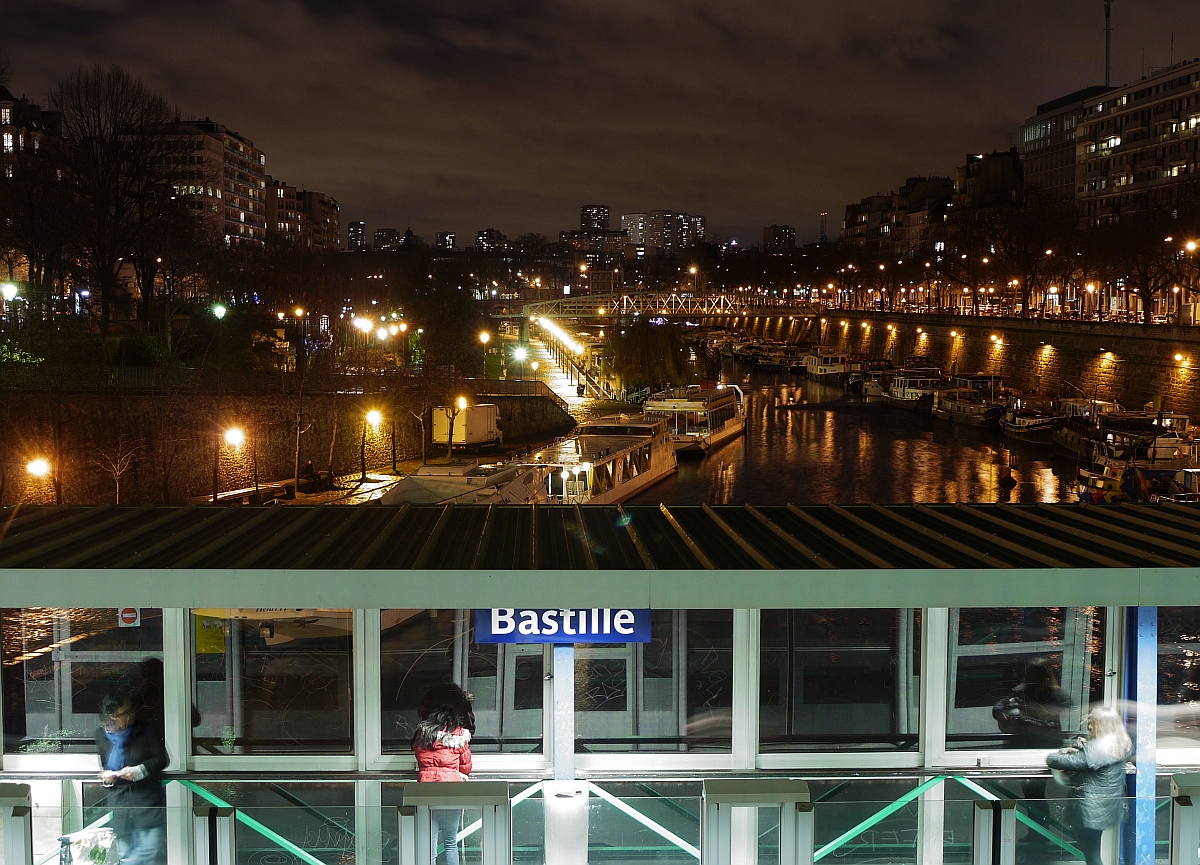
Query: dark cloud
x,y
456,115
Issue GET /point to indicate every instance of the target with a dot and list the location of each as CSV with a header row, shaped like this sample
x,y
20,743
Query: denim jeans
x,y
446,826
143,846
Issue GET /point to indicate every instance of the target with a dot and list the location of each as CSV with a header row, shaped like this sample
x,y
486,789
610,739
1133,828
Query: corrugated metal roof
x,y
567,537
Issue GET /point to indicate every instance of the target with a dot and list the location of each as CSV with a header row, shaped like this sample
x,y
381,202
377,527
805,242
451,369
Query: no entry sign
x,y
129,617
592,625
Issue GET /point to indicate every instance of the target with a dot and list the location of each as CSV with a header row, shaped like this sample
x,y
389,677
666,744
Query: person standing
x,y
132,757
1032,712
1095,772
442,745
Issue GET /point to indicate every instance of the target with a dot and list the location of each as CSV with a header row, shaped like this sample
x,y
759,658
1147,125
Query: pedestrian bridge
x,y
666,304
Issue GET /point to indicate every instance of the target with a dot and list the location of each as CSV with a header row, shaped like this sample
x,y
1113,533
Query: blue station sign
x,y
594,625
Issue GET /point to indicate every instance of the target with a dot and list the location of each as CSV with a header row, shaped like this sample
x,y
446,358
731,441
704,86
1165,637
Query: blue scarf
x,y
116,754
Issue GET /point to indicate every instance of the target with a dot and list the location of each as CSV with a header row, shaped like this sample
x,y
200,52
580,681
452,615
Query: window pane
x,y
1179,677
674,693
59,663
272,681
423,648
833,679
1023,677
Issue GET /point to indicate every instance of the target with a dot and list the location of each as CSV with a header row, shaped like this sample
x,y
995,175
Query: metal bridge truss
x,y
667,305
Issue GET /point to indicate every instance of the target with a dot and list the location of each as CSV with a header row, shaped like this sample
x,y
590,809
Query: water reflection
x,y
839,449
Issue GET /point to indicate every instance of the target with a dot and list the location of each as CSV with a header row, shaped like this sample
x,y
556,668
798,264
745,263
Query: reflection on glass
x,y
272,681
679,696
1023,677
1178,677
614,837
59,663
839,679
423,648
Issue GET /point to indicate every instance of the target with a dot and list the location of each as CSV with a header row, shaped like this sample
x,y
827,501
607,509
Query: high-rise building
x,y
445,240
662,230
779,237
387,239
490,240
634,226
225,182
697,229
1048,141
1136,145
356,237
593,217
283,218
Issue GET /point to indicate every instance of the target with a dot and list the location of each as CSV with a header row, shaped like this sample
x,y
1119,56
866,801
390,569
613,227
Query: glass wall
x,y
834,679
1178,677
1022,677
58,664
423,648
272,681
674,693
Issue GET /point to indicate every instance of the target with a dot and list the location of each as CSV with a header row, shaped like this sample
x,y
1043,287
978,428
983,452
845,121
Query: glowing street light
x,y
520,354
484,337
374,418
234,437
382,333
9,290
462,403
364,324
299,312
404,327
39,467
219,311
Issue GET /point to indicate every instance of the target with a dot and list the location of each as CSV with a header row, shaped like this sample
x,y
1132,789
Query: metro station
x,y
731,685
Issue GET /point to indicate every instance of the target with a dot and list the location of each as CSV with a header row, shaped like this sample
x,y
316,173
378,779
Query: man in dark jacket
x,y
132,757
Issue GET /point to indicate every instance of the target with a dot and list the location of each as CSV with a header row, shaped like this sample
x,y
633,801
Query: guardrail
x,y
485,387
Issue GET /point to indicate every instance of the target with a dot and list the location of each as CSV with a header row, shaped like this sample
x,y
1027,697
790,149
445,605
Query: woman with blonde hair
x,y
1095,774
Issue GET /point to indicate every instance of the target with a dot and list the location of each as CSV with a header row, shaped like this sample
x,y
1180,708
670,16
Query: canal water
x,y
839,449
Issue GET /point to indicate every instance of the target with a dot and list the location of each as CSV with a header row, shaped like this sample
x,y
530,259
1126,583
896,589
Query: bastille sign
x,y
594,625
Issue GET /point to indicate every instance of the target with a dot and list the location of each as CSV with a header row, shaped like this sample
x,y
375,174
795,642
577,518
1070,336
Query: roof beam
x,y
90,551
233,534
1010,526
790,539
970,552
382,538
272,543
700,555
840,539
887,537
1098,539
122,515
747,547
993,538
533,537
212,518
635,539
333,535
58,525
1155,515
431,542
1159,523
588,558
1124,531
481,547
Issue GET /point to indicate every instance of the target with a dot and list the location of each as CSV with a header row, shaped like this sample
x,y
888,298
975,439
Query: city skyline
x,y
446,120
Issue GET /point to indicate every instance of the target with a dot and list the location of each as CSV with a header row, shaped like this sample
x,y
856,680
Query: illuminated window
x,y
8,142
5,115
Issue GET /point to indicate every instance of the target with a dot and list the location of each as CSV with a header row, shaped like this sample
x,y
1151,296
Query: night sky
x,y
451,115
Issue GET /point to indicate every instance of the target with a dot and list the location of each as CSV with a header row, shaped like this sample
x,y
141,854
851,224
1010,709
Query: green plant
x,y
10,352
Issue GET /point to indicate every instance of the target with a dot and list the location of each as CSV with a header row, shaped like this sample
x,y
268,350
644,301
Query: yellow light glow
x,y
404,327
382,333
363,324
462,403
39,468
393,330
954,333
234,437
1179,357
299,312
484,337
374,418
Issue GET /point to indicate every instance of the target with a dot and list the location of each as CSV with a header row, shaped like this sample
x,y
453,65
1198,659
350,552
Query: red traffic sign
x,y
129,617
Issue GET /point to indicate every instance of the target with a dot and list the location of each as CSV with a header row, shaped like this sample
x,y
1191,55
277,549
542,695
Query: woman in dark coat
x,y
1032,712
132,757
1095,770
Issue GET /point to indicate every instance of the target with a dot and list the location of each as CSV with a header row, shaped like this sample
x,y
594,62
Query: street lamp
x,y
234,437
218,310
519,355
9,290
372,418
534,366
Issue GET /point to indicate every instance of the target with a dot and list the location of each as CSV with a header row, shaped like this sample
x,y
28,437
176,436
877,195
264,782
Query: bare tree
x,y
119,153
117,461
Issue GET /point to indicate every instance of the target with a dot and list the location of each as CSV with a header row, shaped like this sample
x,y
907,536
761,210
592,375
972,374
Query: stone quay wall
x,y
1130,363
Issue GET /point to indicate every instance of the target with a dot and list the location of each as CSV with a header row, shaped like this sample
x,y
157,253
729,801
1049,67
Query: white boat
x,y
1078,422
914,389
605,461
975,400
1028,419
700,419
825,363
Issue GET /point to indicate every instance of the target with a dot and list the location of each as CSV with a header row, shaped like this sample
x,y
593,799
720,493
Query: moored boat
x,y
913,389
975,400
1029,419
700,419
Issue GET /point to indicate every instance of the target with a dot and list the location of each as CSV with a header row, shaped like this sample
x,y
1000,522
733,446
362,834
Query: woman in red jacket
x,y
442,746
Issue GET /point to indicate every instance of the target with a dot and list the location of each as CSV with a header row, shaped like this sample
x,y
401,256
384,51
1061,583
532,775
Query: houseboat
x,y
914,388
826,363
700,419
975,400
1029,419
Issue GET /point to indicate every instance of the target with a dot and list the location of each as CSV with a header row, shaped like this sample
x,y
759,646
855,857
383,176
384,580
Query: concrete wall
x,y
1129,363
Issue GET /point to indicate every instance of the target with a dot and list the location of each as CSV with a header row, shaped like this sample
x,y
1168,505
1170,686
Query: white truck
x,y
475,425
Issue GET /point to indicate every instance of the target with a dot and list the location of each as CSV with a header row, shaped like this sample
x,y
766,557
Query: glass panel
x,y
420,649
679,698
670,815
311,817
838,679
1178,677
846,804
272,681
1023,677
59,663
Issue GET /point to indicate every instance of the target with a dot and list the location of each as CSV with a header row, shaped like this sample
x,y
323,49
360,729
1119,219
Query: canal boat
x,y
466,483
974,399
913,389
1078,422
605,461
700,419
826,363
1029,419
